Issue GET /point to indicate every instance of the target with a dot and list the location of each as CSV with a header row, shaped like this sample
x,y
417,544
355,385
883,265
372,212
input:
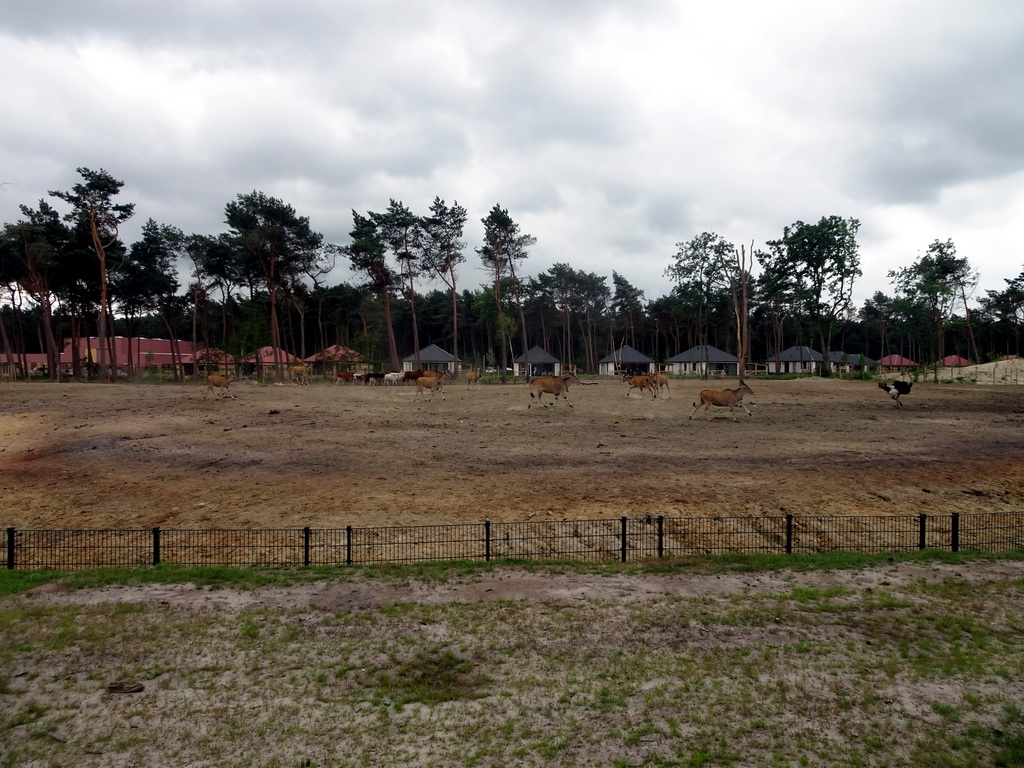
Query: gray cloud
x,y
610,133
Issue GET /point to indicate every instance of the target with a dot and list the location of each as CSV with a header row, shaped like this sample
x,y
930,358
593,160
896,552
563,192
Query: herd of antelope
x,y
556,386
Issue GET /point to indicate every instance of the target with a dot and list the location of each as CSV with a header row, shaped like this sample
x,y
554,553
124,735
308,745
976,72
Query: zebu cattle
x,y
300,374
726,398
344,377
394,378
552,385
220,383
641,383
373,379
433,383
473,377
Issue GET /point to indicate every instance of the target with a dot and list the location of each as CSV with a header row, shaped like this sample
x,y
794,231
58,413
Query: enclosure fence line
x,y
623,539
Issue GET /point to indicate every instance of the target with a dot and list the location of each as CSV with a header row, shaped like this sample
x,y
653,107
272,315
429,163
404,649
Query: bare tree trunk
x,y
8,351
179,372
128,342
415,327
52,351
195,337
101,325
455,317
392,343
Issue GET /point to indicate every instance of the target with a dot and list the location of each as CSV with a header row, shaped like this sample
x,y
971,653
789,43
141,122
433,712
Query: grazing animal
x,y
343,377
660,382
433,383
641,383
726,398
373,379
394,378
553,385
473,377
221,383
896,389
300,374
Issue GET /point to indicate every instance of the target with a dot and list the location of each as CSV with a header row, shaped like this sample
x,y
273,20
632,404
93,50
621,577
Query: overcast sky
x,y
611,131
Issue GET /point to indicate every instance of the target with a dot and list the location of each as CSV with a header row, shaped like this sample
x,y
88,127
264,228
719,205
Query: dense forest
x,y
65,273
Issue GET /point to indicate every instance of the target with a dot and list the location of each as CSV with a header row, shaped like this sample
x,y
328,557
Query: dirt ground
x,y
138,455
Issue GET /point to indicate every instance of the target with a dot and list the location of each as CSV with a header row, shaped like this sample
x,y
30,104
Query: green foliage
x,y
813,267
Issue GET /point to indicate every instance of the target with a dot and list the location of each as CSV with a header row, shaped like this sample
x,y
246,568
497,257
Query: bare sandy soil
x,y
127,455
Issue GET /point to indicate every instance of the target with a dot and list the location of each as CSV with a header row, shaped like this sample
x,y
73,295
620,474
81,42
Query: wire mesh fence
x,y
622,539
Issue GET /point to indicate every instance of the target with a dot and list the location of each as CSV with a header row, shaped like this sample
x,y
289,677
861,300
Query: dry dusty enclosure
x,y
129,456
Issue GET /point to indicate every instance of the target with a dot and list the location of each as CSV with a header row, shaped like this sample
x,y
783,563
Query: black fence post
x,y
10,548
954,544
789,534
922,531
156,546
624,520
348,545
305,545
487,540
661,535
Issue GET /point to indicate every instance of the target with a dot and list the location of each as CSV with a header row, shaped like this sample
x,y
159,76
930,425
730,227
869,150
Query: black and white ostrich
x,y
896,389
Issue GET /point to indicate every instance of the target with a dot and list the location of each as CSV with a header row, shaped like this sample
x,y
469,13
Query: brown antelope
x,y
552,385
661,382
641,383
214,381
726,398
433,383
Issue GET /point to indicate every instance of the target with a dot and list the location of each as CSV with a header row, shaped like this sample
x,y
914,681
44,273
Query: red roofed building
x,y
208,355
895,362
140,352
337,358
210,359
953,361
336,353
266,356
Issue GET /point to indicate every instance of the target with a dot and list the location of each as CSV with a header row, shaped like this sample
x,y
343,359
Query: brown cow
x,y
214,381
726,398
300,374
641,383
473,377
552,385
343,376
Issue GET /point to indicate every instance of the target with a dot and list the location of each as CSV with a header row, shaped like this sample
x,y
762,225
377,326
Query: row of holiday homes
x,y
139,354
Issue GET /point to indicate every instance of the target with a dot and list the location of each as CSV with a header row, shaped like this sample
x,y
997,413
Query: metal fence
x,y
623,539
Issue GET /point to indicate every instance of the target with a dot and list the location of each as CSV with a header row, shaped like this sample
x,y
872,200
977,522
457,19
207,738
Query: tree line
x,y
265,281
